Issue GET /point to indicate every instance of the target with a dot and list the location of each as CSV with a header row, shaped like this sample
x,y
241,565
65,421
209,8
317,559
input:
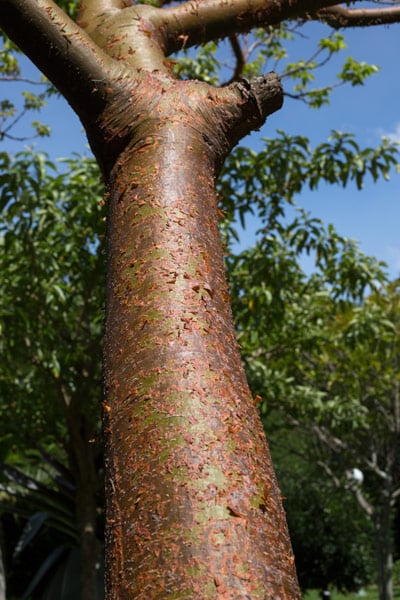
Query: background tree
x,y
327,356
330,533
363,381
53,273
32,100
111,134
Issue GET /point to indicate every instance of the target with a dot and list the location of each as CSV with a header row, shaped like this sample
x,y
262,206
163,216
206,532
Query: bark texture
x,y
194,511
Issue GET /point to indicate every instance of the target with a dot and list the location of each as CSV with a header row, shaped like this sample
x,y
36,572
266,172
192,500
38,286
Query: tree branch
x,y
339,16
332,442
356,490
239,56
234,111
60,49
89,10
337,482
196,22
363,502
372,463
259,97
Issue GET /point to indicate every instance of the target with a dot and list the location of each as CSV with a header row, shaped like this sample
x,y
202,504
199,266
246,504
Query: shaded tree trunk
x,y
86,509
384,550
2,567
82,462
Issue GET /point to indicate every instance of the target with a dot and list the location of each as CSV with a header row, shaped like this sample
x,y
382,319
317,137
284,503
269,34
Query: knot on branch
x,y
258,97
264,92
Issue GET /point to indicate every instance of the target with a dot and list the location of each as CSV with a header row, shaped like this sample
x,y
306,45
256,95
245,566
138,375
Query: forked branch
x,y
340,16
193,23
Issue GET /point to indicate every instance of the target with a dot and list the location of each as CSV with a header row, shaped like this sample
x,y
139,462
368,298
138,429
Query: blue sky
x,y
372,216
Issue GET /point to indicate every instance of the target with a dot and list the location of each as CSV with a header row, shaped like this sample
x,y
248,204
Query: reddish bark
x,y
194,508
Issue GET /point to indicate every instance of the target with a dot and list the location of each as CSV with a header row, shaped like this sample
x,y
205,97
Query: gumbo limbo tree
x,y
193,507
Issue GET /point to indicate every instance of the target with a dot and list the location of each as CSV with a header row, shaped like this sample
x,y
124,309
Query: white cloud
x,y
393,136
393,260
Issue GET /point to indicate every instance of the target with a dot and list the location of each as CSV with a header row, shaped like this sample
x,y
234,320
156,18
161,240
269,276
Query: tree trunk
x,y
194,510
89,544
2,567
83,466
384,551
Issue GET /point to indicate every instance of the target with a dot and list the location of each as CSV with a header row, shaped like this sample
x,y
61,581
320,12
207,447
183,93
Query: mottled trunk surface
x,y
194,509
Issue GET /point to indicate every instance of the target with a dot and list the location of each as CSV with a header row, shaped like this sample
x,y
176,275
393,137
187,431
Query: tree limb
x,y
339,16
372,464
337,482
395,495
244,107
196,22
363,502
239,56
332,442
91,9
60,49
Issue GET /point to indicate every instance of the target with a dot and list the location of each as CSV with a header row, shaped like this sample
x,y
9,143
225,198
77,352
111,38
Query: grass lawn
x,y
370,594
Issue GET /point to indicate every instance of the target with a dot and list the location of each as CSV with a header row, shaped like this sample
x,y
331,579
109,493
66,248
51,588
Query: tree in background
x,y
53,273
361,377
10,113
330,534
327,355
176,391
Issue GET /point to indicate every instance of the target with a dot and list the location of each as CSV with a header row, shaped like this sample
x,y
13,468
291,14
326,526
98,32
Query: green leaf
x,y
356,72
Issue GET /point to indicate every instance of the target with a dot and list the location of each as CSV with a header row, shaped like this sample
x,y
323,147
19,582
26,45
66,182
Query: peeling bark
x,y
193,500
